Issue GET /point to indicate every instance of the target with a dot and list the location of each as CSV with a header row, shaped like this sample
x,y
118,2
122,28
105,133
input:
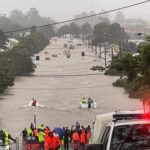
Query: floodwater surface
x,y
59,83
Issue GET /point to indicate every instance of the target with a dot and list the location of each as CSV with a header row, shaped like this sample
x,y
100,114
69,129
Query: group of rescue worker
x,y
48,139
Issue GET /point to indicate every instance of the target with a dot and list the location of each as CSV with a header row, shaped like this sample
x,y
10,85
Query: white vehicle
x,y
3,147
128,130
85,104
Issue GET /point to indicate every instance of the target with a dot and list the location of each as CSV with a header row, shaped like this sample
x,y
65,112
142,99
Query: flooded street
x,y
59,84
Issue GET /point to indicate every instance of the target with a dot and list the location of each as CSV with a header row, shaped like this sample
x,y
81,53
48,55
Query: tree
x,y
3,40
86,30
105,17
33,16
91,20
117,34
48,32
120,18
145,63
129,47
6,24
18,17
101,32
63,30
128,65
74,29
137,70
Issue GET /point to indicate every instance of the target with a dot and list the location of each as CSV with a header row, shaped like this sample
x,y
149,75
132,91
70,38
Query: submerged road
x,y
59,84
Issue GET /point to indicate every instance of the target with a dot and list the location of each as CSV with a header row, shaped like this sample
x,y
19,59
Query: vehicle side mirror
x,y
95,147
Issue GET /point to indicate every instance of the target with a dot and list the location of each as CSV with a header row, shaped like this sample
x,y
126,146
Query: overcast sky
x,y
66,9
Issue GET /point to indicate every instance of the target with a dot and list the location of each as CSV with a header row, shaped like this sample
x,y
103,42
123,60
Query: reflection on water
x,y
59,84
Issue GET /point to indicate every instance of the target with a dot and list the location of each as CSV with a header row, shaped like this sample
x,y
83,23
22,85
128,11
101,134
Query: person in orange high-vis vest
x,y
76,140
53,142
75,136
88,136
46,131
83,139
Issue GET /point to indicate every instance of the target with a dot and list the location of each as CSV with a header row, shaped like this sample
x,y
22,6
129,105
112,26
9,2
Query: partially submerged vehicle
x,y
97,68
54,55
71,46
79,44
46,52
68,55
47,58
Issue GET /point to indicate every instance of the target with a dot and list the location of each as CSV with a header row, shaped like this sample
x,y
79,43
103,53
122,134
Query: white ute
x,y
3,147
122,130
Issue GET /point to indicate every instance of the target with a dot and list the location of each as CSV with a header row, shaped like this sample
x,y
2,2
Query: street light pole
x,y
120,49
105,60
100,51
105,55
112,53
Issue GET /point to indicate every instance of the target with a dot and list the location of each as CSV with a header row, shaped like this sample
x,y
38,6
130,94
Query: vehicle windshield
x,y
131,137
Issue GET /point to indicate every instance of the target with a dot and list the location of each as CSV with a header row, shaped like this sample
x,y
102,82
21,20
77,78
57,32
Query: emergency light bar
x,y
130,116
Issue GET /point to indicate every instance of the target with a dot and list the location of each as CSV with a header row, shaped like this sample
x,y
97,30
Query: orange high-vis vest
x,y
88,135
53,143
46,142
83,139
35,132
75,136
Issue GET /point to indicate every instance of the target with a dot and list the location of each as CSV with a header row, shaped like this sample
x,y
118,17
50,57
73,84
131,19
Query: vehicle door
x,y
105,137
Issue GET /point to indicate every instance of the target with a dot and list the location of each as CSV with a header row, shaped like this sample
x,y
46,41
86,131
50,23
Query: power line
x,y
80,18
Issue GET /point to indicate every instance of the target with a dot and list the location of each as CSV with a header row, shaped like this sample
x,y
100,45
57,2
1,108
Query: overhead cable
x,y
80,18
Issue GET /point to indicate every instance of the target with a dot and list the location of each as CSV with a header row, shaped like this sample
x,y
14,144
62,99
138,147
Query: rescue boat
x,y
85,105
36,105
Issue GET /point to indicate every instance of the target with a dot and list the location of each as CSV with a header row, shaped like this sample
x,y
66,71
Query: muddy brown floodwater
x,y
59,84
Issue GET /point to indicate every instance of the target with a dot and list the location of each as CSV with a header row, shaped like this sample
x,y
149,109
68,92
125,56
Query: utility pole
x,y
95,49
100,51
112,53
35,121
105,56
120,49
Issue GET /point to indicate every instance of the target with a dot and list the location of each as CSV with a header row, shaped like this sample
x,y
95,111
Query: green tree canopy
x,y
116,34
101,32
3,40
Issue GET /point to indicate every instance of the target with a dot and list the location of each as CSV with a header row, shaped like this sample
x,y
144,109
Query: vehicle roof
x,y
106,119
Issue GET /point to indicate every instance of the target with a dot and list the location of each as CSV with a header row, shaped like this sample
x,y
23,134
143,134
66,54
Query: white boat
x,y
31,104
85,105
